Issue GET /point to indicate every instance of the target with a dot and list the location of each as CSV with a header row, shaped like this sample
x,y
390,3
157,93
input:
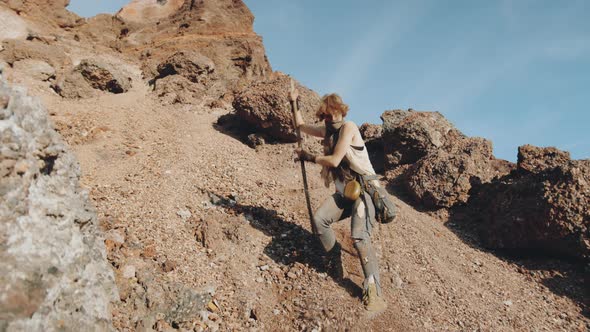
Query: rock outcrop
x,y
102,76
90,75
544,205
219,32
444,177
185,77
142,11
265,107
409,136
444,163
534,159
54,272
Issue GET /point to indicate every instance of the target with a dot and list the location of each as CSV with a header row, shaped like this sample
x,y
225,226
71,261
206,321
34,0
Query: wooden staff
x,y
299,144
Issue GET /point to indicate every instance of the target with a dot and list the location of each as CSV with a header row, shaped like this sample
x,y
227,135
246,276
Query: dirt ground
x,y
181,194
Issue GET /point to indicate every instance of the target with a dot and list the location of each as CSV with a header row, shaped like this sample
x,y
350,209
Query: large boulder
x,y
72,85
409,135
103,76
543,205
176,89
91,75
192,65
53,267
440,163
443,178
535,159
265,107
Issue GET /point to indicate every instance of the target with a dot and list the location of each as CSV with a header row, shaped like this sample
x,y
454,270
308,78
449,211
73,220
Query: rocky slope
x,y
204,233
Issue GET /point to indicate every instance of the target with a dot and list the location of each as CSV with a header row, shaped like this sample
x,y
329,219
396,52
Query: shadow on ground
x,y
562,275
232,125
290,243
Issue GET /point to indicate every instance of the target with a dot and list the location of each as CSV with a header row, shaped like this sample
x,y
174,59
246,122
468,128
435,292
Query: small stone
x,y
508,303
169,265
263,267
291,275
116,236
21,167
215,200
184,214
212,306
129,271
4,100
149,252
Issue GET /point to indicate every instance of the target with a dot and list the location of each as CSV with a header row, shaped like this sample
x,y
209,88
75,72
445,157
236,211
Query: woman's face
x,y
327,117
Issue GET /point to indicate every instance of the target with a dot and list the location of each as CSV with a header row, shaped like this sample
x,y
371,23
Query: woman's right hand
x,y
293,94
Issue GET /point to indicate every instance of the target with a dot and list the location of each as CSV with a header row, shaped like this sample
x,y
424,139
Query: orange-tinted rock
x,y
144,11
265,106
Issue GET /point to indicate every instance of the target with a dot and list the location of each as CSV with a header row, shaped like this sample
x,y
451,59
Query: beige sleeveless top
x,y
359,161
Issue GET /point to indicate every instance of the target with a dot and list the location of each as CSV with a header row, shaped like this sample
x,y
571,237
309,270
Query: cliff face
x,y
219,30
54,273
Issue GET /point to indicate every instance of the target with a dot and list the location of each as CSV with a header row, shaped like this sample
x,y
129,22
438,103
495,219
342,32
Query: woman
x,y
345,159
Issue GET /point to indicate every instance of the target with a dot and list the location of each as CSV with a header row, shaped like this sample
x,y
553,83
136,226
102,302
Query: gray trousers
x,y
336,208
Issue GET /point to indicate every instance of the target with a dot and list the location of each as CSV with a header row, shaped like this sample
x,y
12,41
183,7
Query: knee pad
x,y
361,245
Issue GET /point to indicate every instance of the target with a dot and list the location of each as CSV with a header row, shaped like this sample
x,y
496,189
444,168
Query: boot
x,y
374,303
333,262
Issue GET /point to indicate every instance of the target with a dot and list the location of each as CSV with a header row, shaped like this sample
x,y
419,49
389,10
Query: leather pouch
x,y
352,190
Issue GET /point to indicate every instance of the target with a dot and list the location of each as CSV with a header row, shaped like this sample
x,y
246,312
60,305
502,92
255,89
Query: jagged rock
x,y
73,85
535,159
177,303
547,210
409,136
265,106
372,134
445,164
254,140
444,177
103,76
176,89
193,66
141,11
36,69
89,76
53,267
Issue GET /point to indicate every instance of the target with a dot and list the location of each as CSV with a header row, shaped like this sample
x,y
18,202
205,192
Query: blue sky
x,y
515,72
